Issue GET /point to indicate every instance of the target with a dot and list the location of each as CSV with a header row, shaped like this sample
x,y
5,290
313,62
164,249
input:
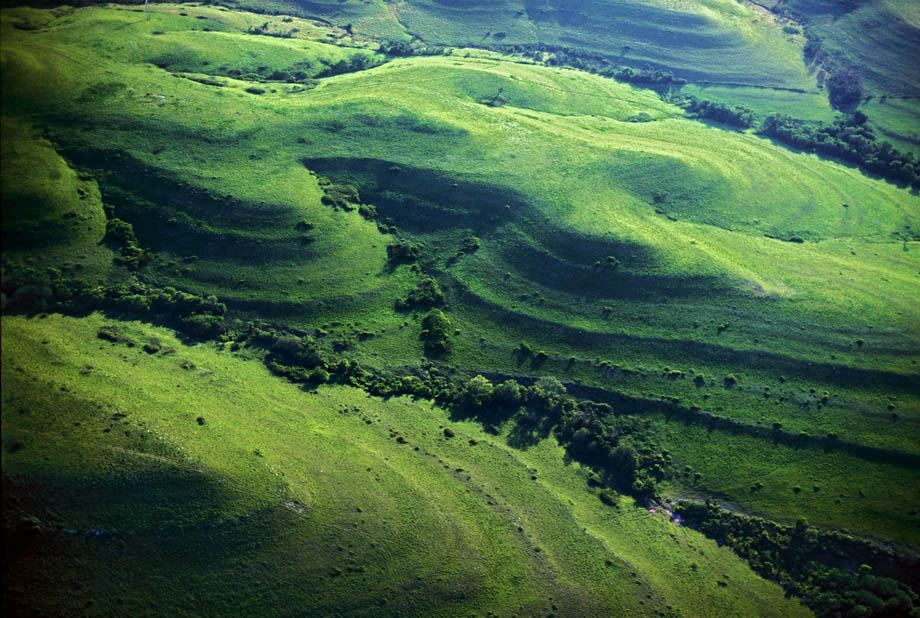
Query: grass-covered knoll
x,y
316,502
717,41
810,105
877,37
895,118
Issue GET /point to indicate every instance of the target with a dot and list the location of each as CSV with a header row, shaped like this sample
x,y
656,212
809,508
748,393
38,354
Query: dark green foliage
x,y
736,115
609,497
426,294
470,245
496,100
110,333
436,332
395,48
319,376
850,139
403,252
368,211
508,393
340,196
357,62
119,231
401,49
524,350
202,325
300,351
593,63
478,392
844,87
817,565
640,117
120,234
843,83
623,448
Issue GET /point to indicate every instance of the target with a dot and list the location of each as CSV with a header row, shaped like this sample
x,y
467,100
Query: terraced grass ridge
x,y
298,321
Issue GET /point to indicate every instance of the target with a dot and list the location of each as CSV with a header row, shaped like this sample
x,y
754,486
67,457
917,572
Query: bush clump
x,y
340,196
403,252
426,294
819,566
436,332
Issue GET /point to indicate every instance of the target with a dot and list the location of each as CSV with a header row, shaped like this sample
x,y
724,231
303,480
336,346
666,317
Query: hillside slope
x,y
317,503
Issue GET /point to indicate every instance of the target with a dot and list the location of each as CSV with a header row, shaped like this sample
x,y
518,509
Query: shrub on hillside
x,y
436,332
340,196
478,392
736,115
403,252
820,566
426,294
850,139
508,392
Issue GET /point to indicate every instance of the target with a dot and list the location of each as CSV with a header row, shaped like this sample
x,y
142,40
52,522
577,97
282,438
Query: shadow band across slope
x,y
429,202
172,215
705,352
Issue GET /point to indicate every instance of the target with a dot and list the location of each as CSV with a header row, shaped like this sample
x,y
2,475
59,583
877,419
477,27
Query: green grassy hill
x,y
318,503
749,312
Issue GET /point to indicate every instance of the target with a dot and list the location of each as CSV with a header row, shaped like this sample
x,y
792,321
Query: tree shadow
x,y
528,431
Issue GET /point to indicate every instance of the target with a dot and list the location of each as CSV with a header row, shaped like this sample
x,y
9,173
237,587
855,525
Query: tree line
x,y
835,574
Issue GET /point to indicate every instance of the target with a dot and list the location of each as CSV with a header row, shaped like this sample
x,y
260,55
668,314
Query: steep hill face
x,y
699,41
777,56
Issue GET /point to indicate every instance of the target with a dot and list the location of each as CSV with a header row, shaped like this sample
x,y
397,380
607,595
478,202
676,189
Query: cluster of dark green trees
x,y
358,62
427,293
556,55
35,290
401,49
120,234
622,448
836,575
848,138
844,85
736,115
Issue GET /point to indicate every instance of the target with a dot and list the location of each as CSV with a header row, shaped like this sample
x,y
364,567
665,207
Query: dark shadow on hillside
x,y
705,352
526,427
420,200
626,404
529,430
425,201
599,268
183,220
844,162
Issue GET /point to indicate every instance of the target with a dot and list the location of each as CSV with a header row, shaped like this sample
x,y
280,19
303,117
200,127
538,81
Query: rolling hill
x,y
449,330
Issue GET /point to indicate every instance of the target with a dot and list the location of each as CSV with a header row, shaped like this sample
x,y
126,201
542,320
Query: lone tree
x,y
436,332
